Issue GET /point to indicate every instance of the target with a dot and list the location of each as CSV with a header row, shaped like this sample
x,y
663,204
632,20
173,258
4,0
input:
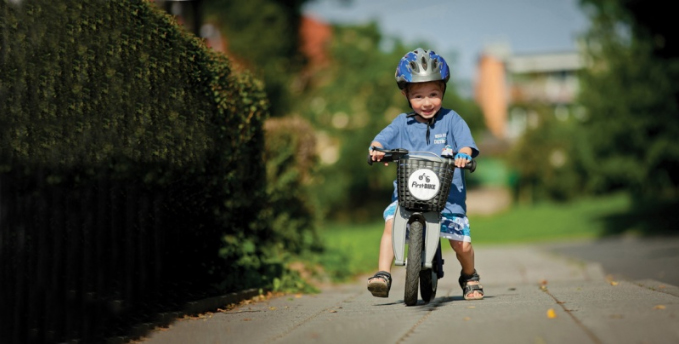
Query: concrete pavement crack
x,y
433,306
577,321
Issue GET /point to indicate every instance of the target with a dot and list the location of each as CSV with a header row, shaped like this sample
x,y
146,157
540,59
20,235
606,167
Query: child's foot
x,y
380,284
471,287
476,291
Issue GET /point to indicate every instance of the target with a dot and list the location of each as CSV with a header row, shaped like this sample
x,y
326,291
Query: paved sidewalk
x,y
532,296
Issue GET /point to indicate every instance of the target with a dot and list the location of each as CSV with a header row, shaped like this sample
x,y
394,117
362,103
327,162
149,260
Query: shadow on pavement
x,y
647,219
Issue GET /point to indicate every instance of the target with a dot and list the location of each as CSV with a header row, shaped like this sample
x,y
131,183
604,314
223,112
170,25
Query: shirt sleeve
x,y
463,135
389,136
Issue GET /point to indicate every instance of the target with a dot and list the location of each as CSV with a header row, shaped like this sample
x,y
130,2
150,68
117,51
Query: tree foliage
x,y
263,36
630,91
545,157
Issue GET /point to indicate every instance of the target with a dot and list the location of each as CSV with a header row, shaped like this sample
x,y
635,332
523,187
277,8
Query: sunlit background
x,y
161,151
537,81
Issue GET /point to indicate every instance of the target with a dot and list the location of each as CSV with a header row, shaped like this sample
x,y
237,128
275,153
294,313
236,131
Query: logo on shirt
x,y
447,151
440,138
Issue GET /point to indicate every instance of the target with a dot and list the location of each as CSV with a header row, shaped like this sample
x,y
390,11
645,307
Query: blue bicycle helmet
x,y
421,65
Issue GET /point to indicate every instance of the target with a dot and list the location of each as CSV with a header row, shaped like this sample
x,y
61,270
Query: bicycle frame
x,y
432,229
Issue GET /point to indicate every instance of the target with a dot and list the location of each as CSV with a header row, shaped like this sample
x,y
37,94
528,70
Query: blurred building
x,y
315,37
509,88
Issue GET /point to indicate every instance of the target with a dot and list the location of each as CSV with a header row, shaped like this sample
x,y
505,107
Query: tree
x,y
631,136
263,36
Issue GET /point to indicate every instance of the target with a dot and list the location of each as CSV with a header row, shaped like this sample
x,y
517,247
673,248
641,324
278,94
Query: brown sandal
x,y
380,285
470,288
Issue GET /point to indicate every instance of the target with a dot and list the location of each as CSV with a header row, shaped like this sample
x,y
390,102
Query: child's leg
x,y
386,257
380,283
465,255
386,247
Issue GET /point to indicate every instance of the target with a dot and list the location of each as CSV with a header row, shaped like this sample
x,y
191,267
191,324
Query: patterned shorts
x,y
453,226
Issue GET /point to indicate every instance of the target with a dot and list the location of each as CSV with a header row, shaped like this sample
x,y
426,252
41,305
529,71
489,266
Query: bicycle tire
x,y
414,263
428,284
429,278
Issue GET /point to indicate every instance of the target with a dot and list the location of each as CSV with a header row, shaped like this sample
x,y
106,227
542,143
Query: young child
x,y
421,76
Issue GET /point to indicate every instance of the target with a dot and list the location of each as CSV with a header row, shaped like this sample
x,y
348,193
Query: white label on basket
x,y
424,184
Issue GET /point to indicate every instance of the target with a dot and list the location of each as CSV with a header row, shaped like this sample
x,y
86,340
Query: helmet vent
x,y
424,63
413,66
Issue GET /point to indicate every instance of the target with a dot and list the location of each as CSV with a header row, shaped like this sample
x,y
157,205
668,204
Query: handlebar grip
x,y
471,166
385,158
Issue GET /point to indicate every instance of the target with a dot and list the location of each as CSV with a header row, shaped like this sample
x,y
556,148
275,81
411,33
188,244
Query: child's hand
x,y
376,155
461,159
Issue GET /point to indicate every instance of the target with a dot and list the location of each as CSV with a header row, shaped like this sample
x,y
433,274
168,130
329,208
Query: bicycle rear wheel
x,y
414,263
429,278
428,284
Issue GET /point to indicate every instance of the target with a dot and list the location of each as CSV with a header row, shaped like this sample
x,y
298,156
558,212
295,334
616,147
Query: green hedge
x,y
115,95
85,83
117,85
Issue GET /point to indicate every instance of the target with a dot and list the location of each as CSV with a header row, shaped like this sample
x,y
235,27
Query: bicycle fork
x,y
432,228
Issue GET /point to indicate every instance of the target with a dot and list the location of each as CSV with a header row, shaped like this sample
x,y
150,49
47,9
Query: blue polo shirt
x,y
448,128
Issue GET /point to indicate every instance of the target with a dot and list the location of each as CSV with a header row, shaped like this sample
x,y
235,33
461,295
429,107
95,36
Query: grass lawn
x,y
353,249
548,222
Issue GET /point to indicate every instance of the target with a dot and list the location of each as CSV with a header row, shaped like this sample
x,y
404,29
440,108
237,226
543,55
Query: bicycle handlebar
x,y
391,155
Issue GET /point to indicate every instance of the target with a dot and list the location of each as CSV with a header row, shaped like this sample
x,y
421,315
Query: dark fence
x,y
88,259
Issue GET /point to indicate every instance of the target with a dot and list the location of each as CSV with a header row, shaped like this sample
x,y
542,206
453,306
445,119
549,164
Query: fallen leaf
x,y
247,319
272,308
551,313
659,307
333,311
543,282
471,306
467,318
614,283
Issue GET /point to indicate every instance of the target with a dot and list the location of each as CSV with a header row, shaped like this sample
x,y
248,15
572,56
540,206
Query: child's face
x,y
425,98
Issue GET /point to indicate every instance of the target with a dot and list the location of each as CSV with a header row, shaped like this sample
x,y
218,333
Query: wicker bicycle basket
x,y
407,166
